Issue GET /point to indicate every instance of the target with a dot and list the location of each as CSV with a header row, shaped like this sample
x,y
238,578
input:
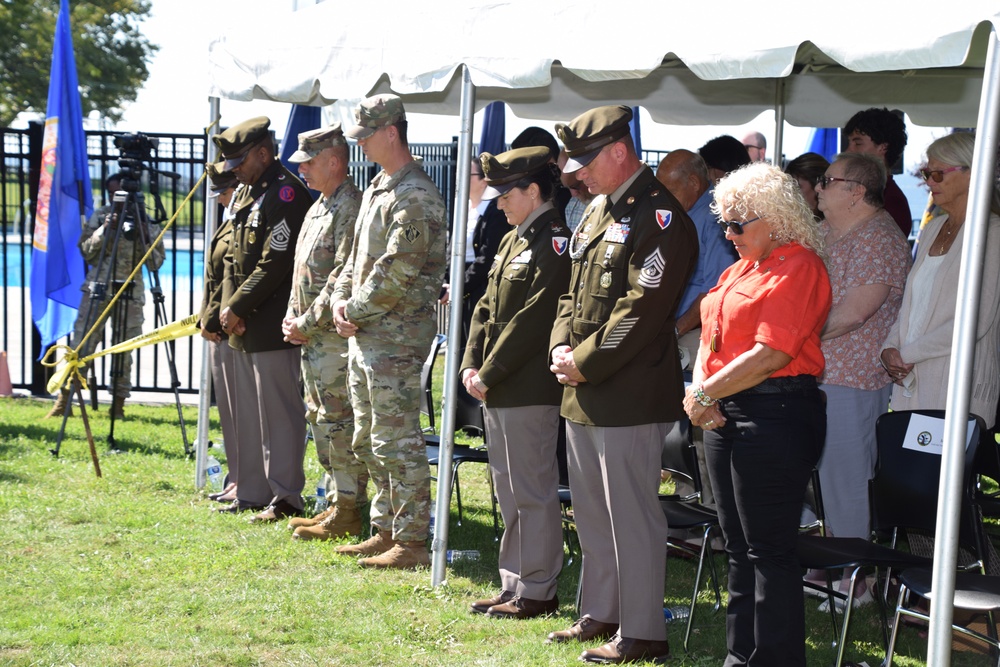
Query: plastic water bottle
x,y
671,614
213,470
456,555
321,502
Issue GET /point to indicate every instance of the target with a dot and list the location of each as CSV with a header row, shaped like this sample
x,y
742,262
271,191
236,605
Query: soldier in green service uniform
x,y
267,213
506,365
324,243
614,348
385,301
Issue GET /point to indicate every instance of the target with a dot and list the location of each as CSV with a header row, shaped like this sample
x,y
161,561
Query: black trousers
x,y
759,464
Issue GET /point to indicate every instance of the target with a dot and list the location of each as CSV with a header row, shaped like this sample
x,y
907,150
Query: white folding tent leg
x,y
439,545
962,353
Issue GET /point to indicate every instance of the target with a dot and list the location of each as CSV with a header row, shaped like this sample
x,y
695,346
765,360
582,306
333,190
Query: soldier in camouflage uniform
x,y
384,301
97,236
324,243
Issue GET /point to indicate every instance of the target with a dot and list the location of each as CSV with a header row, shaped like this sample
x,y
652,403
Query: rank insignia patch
x,y
652,270
280,236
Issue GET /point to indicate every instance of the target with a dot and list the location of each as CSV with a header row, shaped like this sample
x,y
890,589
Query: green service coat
x,y
509,333
630,266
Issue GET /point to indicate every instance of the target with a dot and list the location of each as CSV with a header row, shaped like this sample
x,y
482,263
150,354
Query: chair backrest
x,y
904,491
680,458
814,501
427,379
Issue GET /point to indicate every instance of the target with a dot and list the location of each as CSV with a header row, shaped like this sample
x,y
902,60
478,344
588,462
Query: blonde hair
x,y
761,190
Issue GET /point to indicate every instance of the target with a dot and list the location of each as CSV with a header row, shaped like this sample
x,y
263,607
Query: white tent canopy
x,y
692,64
687,65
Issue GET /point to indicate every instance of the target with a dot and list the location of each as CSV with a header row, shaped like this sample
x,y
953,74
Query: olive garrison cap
x,y
588,133
221,180
375,112
236,142
313,142
502,172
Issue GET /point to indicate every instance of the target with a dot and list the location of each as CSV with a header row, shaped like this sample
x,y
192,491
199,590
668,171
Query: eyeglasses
x,y
477,174
735,226
937,174
826,180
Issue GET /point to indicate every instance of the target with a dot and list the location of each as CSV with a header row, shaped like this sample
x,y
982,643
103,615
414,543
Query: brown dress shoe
x,y
480,606
275,512
521,608
584,630
623,649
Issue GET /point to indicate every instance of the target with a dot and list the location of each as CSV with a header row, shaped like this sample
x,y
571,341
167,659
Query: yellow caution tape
x,y
179,329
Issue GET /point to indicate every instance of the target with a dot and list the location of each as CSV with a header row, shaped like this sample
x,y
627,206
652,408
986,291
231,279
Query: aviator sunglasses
x,y
735,225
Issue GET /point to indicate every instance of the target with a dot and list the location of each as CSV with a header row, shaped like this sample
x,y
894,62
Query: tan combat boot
x,y
118,407
373,546
403,556
344,520
313,521
63,405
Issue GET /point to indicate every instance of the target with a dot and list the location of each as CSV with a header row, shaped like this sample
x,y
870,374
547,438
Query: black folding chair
x,y
903,497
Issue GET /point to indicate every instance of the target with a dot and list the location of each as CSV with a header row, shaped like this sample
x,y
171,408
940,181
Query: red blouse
x,y
782,301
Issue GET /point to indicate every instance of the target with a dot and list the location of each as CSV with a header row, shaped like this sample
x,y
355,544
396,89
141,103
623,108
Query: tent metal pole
x,y
779,122
962,356
205,386
442,508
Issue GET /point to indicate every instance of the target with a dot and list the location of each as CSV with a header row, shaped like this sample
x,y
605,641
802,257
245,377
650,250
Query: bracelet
x,y
704,400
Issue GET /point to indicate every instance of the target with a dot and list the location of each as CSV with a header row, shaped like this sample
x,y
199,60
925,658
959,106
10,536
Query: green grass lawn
x,y
134,569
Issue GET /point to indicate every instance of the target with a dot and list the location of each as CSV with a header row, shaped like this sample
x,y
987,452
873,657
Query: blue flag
x,y
64,197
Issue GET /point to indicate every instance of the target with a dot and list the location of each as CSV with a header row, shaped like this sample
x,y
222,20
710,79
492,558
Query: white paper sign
x,y
926,434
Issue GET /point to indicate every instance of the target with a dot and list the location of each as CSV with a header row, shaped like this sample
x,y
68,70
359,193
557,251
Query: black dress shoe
x,y
238,506
522,608
276,512
481,606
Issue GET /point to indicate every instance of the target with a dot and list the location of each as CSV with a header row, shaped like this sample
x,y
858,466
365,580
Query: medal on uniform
x,y
606,279
252,238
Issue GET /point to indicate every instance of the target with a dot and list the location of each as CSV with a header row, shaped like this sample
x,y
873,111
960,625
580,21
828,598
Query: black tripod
x,y
127,220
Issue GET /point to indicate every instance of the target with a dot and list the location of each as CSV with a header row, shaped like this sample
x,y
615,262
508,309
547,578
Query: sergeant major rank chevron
x,y
652,270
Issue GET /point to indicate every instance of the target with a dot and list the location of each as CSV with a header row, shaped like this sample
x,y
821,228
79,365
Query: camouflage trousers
x,y
126,320
384,380
328,411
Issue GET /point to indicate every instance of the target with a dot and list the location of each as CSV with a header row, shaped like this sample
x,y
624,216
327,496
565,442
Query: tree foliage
x,y
111,54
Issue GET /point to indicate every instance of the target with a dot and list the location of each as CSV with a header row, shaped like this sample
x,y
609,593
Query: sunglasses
x,y
937,175
735,226
826,180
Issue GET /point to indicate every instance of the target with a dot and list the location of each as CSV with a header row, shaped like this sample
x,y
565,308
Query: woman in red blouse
x,y
755,395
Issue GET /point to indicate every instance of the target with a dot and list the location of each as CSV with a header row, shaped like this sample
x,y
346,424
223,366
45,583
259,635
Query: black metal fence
x,y
173,169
